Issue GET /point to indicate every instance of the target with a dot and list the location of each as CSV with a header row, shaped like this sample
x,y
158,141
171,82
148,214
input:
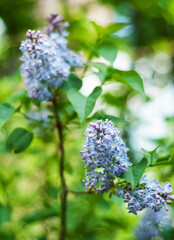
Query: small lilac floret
x,y
105,155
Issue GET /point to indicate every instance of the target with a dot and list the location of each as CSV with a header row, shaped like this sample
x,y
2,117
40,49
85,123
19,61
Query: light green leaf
x,y
134,80
114,27
100,66
108,50
18,96
99,170
131,78
19,140
81,104
150,155
5,113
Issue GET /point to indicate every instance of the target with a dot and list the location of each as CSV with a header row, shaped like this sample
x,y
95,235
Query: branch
x,y
80,192
61,171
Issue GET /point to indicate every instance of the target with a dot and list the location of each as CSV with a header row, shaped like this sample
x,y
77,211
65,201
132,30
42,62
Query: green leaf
x,y
5,113
73,82
81,104
2,147
17,96
134,174
114,27
109,117
138,170
100,66
53,192
19,140
134,80
131,78
108,50
101,76
41,215
150,155
5,214
128,176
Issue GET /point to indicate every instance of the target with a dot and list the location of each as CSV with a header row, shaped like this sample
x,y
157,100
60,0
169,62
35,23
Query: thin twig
x,y
64,192
80,192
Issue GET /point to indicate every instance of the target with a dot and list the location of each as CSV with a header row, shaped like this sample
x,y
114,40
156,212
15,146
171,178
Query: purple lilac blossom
x,y
152,224
105,156
47,61
148,194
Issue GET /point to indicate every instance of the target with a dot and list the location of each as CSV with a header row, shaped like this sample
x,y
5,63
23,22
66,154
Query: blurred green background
x,y
29,181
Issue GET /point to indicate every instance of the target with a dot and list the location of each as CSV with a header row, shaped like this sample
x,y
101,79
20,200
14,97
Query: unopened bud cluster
x,y
46,60
105,156
148,194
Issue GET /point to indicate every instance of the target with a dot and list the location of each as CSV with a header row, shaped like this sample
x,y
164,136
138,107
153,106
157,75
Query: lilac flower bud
x,y
103,161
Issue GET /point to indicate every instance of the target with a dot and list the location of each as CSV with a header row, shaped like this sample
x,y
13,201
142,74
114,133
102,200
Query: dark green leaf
x,y
109,117
53,192
128,176
134,174
19,140
138,170
5,214
81,104
73,82
5,113
41,215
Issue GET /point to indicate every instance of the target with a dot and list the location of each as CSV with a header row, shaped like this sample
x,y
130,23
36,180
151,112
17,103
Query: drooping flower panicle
x,y
46,60
148,194
152,224
105,155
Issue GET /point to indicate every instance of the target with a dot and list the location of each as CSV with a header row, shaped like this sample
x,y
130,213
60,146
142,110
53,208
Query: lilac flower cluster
x,y
105,156
152,224
148,194
46,60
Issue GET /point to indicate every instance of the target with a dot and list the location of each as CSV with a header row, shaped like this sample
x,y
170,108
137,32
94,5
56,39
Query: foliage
x,y
30,183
